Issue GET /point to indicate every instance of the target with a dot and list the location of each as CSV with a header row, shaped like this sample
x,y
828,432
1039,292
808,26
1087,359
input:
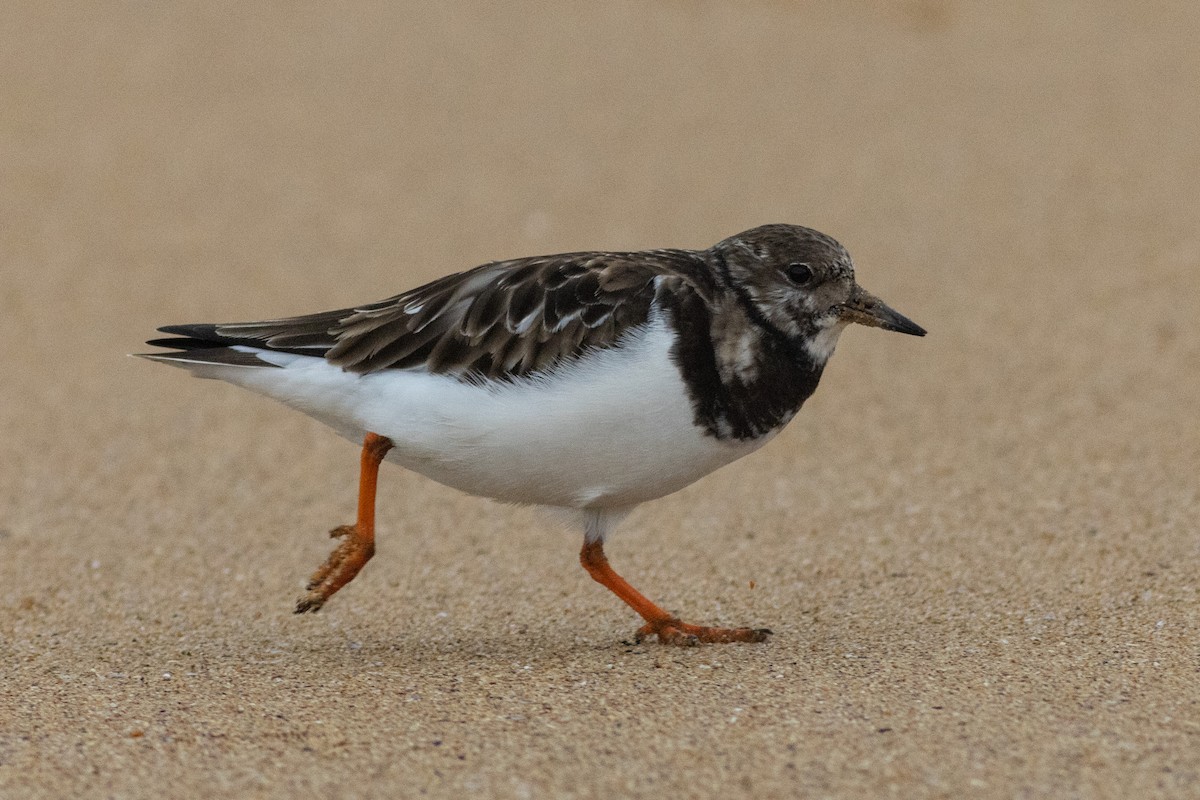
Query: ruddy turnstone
x,y
587,382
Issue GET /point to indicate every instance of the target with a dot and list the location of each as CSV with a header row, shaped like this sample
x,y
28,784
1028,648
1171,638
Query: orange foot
x,y
358,540
670,630
354,551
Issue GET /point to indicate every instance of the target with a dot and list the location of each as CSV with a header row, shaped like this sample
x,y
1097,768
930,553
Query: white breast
x,y
607,431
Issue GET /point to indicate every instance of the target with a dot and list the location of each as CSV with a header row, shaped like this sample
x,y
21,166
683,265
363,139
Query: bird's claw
x,y
343,530
339,569
673,631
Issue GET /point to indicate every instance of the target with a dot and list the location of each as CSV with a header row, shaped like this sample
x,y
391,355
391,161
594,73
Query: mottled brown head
x,y
800,283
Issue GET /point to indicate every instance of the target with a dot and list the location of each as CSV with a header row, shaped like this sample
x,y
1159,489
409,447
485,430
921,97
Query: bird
x,y
585,382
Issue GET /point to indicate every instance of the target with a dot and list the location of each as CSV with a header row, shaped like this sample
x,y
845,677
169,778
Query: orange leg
x,y
358,540
669,629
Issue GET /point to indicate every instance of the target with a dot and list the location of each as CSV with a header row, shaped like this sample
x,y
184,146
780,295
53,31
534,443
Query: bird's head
x,y
800,282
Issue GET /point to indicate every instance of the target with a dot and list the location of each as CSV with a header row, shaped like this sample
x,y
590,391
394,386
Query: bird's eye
x,y
799,274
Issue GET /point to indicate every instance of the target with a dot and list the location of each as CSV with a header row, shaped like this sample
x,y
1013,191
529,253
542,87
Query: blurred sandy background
x,y
978,551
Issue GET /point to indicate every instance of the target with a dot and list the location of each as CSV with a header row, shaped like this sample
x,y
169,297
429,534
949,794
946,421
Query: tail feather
x,y
194,354
207,343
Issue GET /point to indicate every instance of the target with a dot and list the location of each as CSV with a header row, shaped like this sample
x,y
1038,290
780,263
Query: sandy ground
x,y
979,550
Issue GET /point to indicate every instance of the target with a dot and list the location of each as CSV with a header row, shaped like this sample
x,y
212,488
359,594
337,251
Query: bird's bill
x,y
867,309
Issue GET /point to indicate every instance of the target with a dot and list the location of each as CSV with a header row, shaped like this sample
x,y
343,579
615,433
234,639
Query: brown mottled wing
x,y
507,318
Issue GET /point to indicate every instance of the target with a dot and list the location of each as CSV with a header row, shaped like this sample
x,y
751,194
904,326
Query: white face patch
x,y
821,345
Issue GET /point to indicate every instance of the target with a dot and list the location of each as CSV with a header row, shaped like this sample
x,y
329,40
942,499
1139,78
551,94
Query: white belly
x,y
607,432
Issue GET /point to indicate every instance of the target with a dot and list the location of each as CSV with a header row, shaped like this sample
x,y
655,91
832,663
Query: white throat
x,y
820,346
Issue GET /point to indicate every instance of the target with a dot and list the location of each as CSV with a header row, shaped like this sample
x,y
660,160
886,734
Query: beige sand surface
x,y
979,551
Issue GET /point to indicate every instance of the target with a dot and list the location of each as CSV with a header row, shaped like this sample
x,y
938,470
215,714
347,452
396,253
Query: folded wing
x,y
504,319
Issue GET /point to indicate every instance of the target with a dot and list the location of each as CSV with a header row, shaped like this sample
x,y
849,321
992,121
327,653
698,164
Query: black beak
x,y
867,309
